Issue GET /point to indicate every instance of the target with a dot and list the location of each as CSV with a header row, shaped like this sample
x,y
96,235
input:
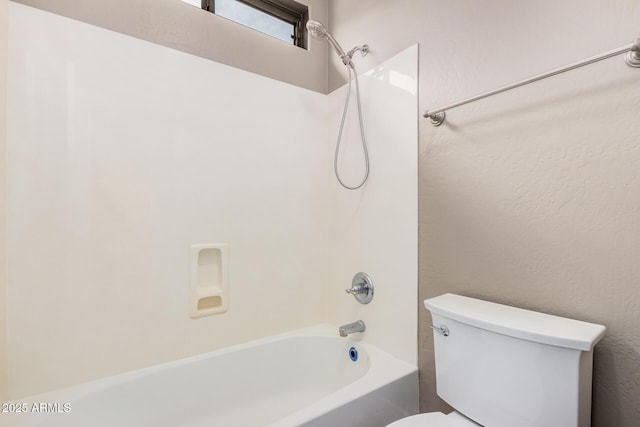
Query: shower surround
x,y
123,154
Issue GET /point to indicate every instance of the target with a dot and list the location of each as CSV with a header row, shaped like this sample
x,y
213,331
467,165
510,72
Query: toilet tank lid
x,y
517,322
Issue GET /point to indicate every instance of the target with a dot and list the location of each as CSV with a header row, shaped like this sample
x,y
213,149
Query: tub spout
x,y
351,328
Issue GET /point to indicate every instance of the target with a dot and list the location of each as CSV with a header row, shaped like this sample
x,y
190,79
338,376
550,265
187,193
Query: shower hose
x,y
350,66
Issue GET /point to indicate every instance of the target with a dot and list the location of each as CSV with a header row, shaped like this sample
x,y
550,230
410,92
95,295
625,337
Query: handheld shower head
x,y
317,30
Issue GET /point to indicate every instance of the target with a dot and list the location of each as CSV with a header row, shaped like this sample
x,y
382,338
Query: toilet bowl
x,y
434,419
503,366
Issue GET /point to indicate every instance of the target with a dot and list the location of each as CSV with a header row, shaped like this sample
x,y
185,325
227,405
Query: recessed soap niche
x,y
209,279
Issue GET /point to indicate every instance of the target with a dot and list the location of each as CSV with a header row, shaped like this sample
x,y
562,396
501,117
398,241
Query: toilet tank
x,y
503,366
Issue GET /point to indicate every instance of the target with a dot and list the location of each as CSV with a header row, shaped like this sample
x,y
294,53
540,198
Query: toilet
x,y
501,366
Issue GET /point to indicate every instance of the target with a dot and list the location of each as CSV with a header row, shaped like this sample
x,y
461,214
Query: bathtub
x,y
305,378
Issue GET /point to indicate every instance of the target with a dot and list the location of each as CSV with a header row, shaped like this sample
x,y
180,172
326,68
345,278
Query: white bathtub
x,y
304,378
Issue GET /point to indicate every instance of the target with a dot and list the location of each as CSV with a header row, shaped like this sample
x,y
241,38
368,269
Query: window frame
x,y
289,11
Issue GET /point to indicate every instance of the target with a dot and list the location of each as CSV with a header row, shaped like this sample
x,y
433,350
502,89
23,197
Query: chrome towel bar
x,y
632,58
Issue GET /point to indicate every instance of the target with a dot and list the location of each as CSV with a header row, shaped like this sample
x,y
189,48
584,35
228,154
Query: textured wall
x,y
181,26
532,197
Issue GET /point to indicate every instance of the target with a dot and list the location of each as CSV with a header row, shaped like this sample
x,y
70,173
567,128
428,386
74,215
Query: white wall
x,y
374,229
121,155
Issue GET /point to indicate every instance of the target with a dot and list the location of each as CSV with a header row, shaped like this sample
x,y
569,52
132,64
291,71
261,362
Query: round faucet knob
x,y
361,288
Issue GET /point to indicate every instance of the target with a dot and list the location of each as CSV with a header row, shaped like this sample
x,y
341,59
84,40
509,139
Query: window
x,y
282,19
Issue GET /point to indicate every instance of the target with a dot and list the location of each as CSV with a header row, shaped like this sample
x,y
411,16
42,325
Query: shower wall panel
x,y
123,154
374,229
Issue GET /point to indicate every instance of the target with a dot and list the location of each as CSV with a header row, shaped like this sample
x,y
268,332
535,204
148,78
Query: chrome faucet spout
x,y
351,328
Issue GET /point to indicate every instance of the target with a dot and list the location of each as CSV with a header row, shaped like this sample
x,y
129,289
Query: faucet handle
x,y
361,288
356,289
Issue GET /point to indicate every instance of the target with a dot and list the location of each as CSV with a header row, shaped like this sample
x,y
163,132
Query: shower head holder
x,y
364,50
347,57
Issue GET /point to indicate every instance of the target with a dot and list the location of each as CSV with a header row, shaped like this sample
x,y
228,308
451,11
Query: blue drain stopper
x,y
353,354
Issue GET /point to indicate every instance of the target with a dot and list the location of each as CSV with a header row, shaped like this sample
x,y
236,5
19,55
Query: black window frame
x,y
289,11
